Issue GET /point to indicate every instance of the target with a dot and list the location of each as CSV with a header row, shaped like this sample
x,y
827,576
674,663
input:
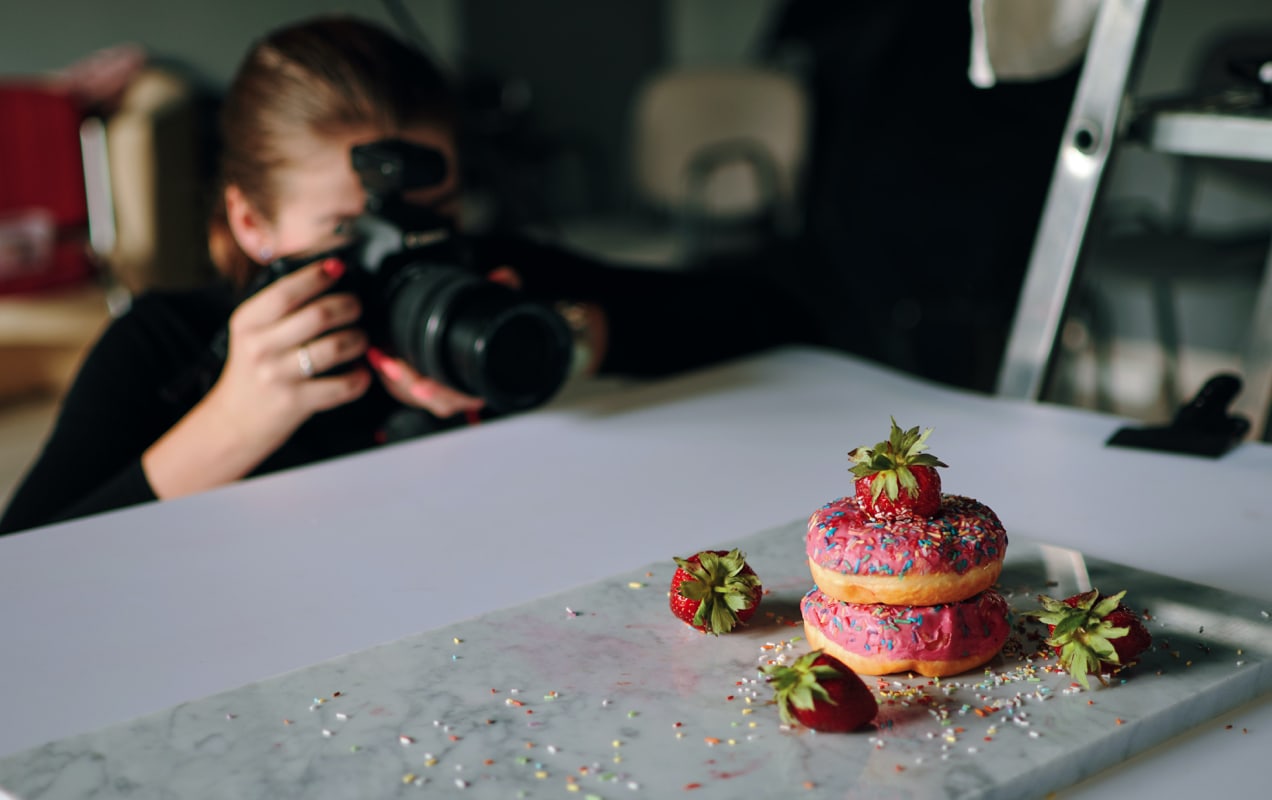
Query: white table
x,y
127,613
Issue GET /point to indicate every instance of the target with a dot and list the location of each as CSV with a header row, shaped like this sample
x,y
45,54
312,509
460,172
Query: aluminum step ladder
x,y
1101,118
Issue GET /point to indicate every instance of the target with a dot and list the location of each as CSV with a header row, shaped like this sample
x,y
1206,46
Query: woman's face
x,y
319,195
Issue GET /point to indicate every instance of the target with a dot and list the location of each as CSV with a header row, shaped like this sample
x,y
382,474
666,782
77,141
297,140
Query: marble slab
x,y
598,692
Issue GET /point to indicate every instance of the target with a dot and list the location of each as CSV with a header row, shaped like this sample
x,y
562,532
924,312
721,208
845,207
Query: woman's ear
x,y
250,228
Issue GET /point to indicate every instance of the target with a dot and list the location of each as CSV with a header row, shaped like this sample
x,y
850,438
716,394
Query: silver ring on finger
x,y
306,362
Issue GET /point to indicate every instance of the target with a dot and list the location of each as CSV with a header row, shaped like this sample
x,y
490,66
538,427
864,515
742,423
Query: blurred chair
x,y
147,184
43,211
50,304
92,210
717,157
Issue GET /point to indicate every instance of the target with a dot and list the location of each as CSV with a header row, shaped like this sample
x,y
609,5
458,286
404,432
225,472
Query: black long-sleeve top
x,y
155,362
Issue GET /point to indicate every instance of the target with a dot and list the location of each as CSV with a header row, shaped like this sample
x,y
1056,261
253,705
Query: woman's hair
x,y
318,78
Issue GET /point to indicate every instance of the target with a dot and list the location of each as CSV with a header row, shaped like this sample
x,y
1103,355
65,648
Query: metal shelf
x,y
1235,124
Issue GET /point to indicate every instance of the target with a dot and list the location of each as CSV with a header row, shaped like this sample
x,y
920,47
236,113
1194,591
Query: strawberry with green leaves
x,y
715,590
820,692
1093,634
896,480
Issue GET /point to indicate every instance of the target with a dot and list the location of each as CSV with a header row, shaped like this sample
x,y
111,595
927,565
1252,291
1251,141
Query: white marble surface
x,y
601,688
131,613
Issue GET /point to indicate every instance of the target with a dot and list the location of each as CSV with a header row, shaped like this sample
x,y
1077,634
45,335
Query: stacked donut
x,y
904,573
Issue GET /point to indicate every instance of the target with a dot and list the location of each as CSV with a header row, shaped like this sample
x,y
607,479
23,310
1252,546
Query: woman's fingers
x,y
324,314
329,391
280,298
328,352
297,331
413,389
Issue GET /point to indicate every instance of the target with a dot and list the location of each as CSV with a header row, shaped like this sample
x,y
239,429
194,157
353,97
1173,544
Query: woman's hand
x,y
282,341
413,389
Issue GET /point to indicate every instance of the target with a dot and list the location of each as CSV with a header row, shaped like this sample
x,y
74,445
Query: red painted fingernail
x,y
334,267
385,365
473,416
505,276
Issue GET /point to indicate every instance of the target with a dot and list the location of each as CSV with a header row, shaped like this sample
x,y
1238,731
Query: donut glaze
x,y
952,556
879,639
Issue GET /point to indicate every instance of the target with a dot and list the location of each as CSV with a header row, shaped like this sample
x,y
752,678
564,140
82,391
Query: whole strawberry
x,y
896,480
821,693
1093,634
715,590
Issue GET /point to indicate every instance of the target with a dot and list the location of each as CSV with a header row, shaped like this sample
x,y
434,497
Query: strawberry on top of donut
x,y
896,480
714,590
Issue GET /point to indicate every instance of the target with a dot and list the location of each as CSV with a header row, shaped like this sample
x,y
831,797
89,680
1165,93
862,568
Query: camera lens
x,y
513,353
479,337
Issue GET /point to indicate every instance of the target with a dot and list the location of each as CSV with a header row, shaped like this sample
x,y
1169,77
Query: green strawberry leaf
x,y
722,585
1066,628
1108,605
890,483
798,685
908,481
1079,662
926,460
1102,648
694,590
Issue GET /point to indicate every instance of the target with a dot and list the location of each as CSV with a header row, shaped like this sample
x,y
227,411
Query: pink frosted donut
x,y
879,639
952,556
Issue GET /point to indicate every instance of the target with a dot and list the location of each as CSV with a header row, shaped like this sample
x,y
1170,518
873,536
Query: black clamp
x,y
1201,427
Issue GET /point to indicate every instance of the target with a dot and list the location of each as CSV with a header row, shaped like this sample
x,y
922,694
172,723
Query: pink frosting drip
x,y
925,633
965,534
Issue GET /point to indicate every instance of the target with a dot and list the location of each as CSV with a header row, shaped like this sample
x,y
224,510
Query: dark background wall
x,y
579,61
209,38
579,83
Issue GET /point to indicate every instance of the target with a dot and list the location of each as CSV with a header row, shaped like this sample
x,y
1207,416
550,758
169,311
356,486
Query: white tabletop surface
x,y
127,613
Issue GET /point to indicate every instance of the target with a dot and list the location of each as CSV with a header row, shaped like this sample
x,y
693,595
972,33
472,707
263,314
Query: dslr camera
x,y
425,301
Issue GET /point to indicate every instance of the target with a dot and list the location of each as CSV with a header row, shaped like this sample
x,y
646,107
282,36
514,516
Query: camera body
x,y
425,301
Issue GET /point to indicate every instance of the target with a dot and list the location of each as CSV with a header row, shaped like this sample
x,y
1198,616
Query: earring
x,y
266,253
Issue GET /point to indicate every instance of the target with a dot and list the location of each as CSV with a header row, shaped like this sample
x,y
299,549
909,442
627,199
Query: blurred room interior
x,y
581,125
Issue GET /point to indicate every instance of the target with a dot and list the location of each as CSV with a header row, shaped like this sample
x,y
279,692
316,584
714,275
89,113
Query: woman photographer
x,y
160,409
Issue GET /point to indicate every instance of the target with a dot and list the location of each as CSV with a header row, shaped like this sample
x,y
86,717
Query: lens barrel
x,y
479,337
